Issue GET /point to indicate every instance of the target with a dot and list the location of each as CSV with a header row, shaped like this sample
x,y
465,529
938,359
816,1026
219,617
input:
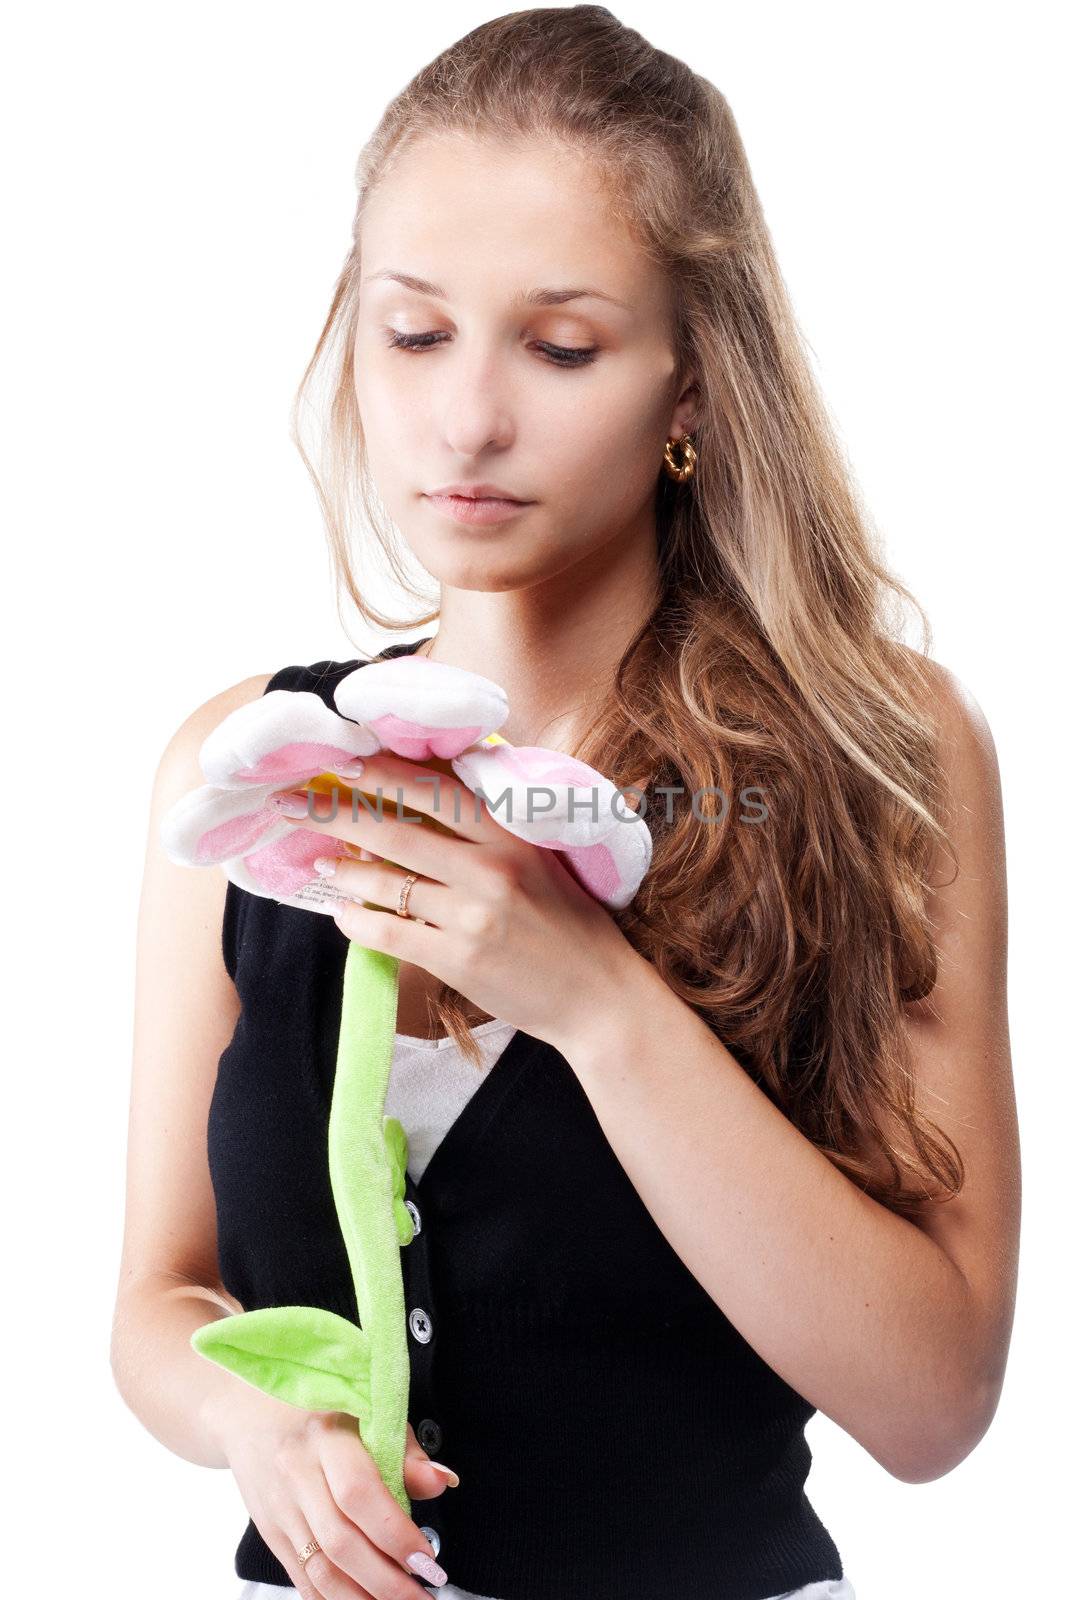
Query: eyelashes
x,y
559,355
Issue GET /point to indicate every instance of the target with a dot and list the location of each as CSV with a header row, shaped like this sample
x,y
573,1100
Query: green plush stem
x,y
362,1175
305,1355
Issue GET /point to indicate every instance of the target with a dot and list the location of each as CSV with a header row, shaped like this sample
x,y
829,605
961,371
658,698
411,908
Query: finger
x,y
402,937
367,1533
379,884
415,842
424,1478
349,1563
437,794
316,1578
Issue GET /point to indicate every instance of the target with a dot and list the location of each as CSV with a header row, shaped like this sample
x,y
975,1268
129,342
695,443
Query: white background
x,y
178,198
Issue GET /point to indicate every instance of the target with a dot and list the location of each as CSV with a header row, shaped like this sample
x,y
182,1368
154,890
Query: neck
x,y
552,646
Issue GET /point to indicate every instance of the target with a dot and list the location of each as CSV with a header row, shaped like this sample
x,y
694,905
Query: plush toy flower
x,y
428,712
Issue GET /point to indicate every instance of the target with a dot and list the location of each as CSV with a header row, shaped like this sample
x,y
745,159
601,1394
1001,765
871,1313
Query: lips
x,y
476,491
477,510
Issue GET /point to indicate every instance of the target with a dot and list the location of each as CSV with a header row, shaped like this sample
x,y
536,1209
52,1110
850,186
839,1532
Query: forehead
x,y
483,220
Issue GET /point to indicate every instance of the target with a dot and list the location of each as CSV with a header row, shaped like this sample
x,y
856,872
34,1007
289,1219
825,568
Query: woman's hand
x,y
506,922
307,1475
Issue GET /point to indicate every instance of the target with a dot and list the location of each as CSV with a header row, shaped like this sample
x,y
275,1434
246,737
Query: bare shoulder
x,y
969,881
961,1064
966,745
179,766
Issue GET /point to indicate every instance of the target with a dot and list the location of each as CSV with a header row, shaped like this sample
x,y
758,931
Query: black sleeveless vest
x,y
611,1428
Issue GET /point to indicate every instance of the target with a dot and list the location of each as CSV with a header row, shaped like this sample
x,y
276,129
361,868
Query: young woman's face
x,y
565,405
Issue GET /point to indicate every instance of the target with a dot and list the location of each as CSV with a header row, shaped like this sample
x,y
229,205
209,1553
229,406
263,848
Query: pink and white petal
x,y
283,870
285,737
613,870
562,804
548,792
209,824
421,708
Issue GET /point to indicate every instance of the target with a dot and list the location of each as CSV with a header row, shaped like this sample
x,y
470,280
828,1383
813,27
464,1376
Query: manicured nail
x,y
427,1568
351,769
453,1478
341,908
326,865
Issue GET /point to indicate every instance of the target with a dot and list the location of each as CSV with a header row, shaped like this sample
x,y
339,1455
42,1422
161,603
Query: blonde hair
x,y
774,657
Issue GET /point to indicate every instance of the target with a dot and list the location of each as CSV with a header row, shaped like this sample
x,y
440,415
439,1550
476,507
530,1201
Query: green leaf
x,y
303,1354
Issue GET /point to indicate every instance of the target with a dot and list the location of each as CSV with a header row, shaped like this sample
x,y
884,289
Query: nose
x,y
478,409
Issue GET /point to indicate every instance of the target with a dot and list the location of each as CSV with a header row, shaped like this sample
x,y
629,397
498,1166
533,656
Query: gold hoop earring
x,y
682,473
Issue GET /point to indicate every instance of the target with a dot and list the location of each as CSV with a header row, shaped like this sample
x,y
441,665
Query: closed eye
x,y
560,355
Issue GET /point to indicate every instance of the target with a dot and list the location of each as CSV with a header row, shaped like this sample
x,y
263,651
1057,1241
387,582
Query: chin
x,y
483,573
489,562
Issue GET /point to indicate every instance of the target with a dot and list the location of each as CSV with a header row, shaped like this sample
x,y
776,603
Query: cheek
x,y
608,434
604,468
389,403
394,426
376,409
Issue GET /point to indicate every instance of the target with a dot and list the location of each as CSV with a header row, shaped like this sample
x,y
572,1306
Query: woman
x,y
742,1151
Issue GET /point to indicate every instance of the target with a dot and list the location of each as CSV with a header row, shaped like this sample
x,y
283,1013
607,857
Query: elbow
x,y
939,1442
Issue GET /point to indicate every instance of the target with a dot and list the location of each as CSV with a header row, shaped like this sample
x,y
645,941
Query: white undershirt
x,y
430,1082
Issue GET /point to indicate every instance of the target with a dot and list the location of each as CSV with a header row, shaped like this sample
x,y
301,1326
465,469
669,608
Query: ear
x,y
687,407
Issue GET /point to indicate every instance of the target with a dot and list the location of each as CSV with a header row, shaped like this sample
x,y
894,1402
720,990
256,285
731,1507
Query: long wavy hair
x,y
774,657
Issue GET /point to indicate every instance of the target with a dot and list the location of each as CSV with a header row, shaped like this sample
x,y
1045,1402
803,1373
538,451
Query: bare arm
x,y
303,1475
896,1329
186,1009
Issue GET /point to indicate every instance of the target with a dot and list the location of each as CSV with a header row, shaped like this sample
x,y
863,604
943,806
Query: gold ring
x,y
405,890
308,1550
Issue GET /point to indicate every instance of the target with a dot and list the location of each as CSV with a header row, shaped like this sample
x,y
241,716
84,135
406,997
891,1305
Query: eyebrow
x,y
529,297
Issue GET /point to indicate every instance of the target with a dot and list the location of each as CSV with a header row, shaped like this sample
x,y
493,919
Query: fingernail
x,y
352,769
365,855
453,1478
290,805
342,906
427,1568
325,865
